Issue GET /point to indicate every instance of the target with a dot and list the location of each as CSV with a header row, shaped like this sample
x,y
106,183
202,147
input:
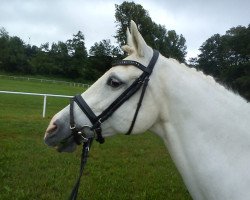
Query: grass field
x,y
123,168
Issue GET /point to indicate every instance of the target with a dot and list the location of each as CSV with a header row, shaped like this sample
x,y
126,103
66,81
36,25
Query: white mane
x,y
193,75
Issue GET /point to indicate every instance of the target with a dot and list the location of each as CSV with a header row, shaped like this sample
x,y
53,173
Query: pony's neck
x,y
201,123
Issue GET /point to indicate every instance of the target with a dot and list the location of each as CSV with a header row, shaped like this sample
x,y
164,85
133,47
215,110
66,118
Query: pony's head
x,y
105,91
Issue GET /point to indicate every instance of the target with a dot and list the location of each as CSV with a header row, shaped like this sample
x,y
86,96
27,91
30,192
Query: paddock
x,y
134,167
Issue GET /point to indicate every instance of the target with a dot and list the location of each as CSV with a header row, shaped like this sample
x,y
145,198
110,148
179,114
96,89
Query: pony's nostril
x,y
51,129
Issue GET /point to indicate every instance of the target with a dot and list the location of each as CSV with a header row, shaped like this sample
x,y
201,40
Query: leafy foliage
x,y
227,58
70,59
12,52
102,55
157,36
65,59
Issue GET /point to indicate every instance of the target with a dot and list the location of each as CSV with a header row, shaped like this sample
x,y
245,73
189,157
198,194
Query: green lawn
x,y
124,167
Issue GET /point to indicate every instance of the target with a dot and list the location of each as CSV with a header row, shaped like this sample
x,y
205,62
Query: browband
x,y
132,62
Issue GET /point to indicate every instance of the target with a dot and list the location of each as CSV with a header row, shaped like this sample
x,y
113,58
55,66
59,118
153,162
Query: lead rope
x,y
87,144
84,156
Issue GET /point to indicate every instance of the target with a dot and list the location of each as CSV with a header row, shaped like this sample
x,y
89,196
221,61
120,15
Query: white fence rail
x,y
38,94
45,80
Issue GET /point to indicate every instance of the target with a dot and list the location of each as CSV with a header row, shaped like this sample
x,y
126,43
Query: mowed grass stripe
x,y
124,167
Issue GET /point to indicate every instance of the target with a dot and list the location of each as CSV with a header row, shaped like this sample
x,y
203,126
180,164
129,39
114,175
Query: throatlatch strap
x,y
145,84
153,61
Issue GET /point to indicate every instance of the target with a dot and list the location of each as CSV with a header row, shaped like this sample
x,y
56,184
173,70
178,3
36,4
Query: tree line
x,y
71,59
65,59
225,57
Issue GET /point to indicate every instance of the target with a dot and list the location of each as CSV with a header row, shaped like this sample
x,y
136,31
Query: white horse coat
x,y
204,126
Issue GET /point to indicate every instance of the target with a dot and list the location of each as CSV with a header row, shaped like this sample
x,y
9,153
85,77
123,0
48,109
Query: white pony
x,y
204,126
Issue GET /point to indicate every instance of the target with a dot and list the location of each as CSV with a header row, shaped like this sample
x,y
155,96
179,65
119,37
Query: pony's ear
x,y
129,48
138,42
129,38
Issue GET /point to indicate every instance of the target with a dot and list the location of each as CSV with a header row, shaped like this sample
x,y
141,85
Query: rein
x,y
86,134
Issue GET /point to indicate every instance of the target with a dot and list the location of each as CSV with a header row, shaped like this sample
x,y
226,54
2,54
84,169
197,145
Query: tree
x,y
168,42
78,53
64,59
76,46
12,52
227,58
171,44
4,40
128,11
193,62
102,54
42,62
211,57
104,48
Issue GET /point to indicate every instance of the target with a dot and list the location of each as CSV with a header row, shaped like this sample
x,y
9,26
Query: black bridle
x,y
87,133
142,81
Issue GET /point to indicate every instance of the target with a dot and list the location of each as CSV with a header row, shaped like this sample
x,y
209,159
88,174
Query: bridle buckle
x,y
84,139
72,127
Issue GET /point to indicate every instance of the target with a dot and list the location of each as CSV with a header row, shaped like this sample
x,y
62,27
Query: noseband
x,y
84,133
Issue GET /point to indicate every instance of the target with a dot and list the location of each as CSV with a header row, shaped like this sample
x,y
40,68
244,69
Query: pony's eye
x,y
114,82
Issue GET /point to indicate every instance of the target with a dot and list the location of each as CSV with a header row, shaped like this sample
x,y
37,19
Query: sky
x,y
40,21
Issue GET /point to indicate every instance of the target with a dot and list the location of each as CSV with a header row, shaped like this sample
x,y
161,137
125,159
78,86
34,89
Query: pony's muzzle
x,y
51,129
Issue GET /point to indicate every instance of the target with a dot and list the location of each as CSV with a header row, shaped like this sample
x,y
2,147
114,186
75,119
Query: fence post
x,y
44,105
